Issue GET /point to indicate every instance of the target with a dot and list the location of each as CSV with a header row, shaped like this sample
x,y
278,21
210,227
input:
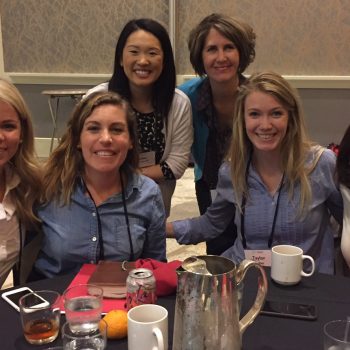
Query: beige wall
x,y
294,37
306,38
68,36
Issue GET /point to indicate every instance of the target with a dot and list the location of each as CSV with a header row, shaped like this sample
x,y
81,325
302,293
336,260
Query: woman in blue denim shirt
x,y
96,206
280,184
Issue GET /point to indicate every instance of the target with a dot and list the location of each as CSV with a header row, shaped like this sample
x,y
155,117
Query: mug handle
x,y
250,316
160,340
308,274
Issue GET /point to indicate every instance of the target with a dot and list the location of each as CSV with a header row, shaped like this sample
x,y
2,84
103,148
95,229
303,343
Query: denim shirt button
x,y
93,213
94,239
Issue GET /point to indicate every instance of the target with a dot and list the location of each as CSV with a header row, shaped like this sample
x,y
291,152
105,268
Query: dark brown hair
x,y
343,159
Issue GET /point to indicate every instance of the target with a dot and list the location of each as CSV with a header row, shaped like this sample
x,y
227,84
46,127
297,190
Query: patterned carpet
x,y
184,205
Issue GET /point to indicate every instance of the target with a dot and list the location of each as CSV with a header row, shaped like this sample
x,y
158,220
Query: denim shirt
x,y
312,232
71,231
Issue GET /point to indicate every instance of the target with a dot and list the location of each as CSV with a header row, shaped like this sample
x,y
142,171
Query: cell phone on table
x,y
13,296
287,309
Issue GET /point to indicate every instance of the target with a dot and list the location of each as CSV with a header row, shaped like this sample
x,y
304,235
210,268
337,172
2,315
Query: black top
x,y
151,138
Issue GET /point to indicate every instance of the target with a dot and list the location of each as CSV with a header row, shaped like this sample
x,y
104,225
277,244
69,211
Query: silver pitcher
x,y
207,311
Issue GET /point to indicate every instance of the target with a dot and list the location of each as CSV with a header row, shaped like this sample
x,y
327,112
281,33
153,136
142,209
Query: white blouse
x,y
9,227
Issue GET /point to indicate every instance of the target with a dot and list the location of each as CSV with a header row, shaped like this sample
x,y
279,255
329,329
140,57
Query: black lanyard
x,y
244,200
99,226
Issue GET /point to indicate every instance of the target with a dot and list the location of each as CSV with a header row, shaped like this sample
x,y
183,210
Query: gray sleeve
x,y
179,136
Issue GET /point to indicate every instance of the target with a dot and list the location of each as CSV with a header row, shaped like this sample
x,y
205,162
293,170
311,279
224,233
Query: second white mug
x,y
148,327
287,264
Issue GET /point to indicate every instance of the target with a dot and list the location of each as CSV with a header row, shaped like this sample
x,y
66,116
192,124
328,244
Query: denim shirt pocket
x,y
118,245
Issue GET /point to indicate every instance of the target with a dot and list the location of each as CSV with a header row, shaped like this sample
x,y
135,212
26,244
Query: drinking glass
x,y
40,316
83,307
337,335
94,340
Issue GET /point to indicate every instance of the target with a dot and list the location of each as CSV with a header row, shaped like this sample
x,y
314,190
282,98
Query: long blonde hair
x,y
295,145
66,162
24,162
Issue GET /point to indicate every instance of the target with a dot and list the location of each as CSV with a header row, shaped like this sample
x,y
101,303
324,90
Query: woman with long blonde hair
x,y
20,180
280,184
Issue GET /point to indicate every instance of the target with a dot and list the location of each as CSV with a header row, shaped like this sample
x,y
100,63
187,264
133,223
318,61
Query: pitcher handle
x,y
250,316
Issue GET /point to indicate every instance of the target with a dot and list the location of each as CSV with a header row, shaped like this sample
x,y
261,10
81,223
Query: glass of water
x,y
94,340
83,307
337,335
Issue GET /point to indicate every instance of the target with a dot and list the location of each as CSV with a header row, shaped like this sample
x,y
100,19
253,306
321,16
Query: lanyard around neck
x,y
244,201
99,225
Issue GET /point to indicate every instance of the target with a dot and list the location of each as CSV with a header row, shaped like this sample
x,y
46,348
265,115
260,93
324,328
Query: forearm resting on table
x,y
153,171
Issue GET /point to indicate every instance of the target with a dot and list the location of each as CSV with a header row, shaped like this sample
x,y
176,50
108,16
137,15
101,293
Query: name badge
x,y
263,257
147,159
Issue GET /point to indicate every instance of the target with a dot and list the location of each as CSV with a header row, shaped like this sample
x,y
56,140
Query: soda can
x,y
140,288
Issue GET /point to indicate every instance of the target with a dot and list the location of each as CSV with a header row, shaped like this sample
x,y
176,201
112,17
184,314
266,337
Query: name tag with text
x,y
263,257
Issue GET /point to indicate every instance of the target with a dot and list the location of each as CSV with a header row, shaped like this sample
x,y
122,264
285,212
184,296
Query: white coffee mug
x,y
287,264
148,327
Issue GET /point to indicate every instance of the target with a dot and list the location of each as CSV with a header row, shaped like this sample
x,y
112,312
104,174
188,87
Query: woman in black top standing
x,y
144,74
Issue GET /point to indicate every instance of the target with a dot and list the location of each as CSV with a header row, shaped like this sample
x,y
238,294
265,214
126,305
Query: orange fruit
x,y
117,324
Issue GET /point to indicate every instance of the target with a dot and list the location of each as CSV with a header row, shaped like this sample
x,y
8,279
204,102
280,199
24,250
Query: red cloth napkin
x,y
164,273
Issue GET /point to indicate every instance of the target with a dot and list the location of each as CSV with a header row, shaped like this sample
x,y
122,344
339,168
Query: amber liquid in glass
x,y
41,331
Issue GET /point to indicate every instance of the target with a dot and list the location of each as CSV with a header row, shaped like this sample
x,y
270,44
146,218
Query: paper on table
x,y
111,276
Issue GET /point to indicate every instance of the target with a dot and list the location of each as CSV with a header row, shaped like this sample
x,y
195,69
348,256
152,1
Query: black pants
x,y
221,243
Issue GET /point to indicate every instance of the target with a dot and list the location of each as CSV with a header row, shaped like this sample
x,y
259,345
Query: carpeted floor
x,y
183,206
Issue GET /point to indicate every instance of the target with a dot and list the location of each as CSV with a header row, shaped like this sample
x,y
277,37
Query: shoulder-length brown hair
x,y
295,145
66,162
239,32
24,162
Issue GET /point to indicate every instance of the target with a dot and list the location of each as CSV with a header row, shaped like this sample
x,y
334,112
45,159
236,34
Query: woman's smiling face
x,y
105,139
220,57
10,133
142,59
266,121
